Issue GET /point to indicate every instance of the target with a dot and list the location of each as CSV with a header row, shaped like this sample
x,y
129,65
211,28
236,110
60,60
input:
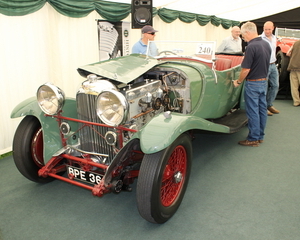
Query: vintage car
x,y
134,117
285,40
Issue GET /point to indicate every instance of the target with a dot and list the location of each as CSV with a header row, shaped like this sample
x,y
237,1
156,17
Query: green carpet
x,y
235,192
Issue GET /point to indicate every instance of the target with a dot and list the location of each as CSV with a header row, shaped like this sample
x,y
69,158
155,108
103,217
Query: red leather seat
x,y
223,64
236,60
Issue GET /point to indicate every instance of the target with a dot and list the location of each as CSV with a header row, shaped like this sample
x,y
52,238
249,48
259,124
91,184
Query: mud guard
x,y
160,132
51,135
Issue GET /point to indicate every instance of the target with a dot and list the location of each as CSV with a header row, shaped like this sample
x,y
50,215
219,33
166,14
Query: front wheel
x,y
163,179
28,149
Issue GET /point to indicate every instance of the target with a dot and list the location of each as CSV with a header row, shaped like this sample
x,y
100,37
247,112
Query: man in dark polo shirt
x,y
254,71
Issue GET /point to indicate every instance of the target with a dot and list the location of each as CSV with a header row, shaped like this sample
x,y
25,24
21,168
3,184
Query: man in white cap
x,y
148,34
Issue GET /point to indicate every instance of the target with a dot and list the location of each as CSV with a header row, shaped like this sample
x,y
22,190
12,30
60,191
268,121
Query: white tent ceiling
x,y
238,10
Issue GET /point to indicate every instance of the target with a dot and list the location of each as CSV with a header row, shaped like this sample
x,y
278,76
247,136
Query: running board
x,y
235,121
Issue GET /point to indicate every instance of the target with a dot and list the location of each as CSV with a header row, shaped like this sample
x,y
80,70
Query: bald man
x,y
233,43
273,78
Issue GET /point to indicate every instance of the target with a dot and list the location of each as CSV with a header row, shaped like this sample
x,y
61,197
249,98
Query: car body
x,y
285,40
133,117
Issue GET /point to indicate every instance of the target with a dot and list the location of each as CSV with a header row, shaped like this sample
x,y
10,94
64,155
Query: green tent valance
x,y
20,8
71,8
168,16
203,19
110,11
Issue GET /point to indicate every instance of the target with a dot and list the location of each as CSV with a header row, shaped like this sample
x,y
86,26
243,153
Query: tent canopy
x,y
237,10
287,19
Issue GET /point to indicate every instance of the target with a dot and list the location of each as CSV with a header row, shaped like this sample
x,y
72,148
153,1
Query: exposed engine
x,y
130,105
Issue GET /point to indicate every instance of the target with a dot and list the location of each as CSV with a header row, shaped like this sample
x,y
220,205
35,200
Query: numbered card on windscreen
x,y
205,48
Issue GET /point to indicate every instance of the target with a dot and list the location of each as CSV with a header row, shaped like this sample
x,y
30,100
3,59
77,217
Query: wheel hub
x,y
178,177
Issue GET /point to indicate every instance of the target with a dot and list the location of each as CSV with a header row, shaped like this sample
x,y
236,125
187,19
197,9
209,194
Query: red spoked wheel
x,y
173,176
28,149
37,147
163,179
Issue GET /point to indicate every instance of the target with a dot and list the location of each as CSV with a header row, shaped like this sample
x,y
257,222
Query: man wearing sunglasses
x,y
148,34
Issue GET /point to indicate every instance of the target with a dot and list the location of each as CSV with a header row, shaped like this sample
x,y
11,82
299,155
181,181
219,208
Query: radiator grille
x,y
92,137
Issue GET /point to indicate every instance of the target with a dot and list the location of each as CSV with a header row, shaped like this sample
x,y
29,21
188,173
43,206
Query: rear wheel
x,y
163,179
282,62
28,149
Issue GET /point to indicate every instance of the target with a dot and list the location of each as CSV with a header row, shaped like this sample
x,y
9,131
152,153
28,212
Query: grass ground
x,y
5,155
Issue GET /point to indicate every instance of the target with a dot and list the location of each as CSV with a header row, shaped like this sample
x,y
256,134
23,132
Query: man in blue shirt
x,y
148,34
273,79
254,71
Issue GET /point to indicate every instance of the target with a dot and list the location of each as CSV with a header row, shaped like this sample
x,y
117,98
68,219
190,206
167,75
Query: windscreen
x,y
201,49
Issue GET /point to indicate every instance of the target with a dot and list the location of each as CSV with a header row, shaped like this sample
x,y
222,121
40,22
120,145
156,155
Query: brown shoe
x,y
261,141
249,143
273,110
269,113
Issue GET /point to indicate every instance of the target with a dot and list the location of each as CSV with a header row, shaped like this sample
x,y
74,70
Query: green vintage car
x,y
133,118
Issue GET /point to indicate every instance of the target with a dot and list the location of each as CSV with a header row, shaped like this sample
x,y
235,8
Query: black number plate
x,y
85,176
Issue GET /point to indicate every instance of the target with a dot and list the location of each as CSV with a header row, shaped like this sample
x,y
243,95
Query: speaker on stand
x,y
141,13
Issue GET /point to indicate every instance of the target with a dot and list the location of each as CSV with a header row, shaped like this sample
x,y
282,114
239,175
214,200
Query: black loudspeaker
x,y
141,13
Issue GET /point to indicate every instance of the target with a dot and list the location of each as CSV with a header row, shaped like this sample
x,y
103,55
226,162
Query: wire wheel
x,y
173,176
163,179
28,149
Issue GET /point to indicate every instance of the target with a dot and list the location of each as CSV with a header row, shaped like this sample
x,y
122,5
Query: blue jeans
x,y
256,109
273,84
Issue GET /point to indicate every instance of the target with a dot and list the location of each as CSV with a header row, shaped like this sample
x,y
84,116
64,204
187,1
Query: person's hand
x,y
235,83
289,52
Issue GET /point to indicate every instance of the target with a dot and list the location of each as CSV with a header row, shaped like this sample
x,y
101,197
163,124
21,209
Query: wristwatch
x,y
237,81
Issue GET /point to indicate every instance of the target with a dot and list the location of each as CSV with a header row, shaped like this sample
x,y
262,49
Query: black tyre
x,y
28,150
163,179
282,62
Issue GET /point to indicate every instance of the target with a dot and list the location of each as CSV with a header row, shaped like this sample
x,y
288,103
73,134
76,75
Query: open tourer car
x,y
133,117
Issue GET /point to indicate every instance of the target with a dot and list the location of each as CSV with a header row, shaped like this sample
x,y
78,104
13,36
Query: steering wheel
x,y
167,53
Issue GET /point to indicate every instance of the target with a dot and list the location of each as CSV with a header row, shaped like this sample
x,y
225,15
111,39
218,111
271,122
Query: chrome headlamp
x,y
112,107
50,98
